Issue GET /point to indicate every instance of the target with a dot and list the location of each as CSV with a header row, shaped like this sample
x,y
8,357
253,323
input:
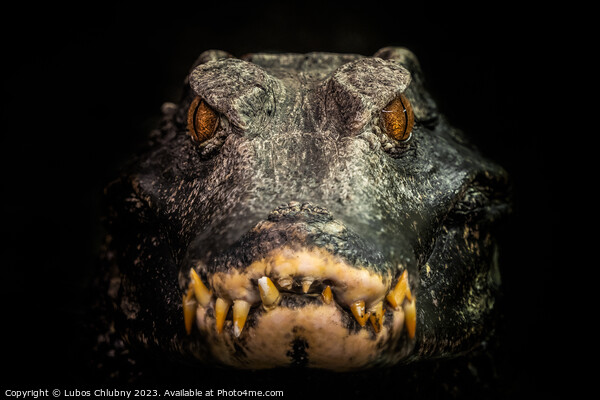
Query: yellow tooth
x,y
376,317
410,316
189,309
285,282
396,296
241,308
268,292
327,296
221,308
306,282
203,295
358,310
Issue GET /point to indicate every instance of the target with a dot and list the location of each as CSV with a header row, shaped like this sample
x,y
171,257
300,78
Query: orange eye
x,y
398,118
202,121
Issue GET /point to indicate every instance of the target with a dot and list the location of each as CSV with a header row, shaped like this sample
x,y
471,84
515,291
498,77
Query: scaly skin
x,y
319,239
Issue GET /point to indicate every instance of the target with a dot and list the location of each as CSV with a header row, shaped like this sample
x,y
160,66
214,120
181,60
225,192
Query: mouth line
x,y
293,279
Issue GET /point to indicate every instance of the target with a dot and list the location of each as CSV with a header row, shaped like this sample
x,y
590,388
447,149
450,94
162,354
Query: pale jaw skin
x,y
268,340
305,328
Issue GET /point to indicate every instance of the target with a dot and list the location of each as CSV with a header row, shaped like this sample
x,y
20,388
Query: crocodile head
x,y
305,209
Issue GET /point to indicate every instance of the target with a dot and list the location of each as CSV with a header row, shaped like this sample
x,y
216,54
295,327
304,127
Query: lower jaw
x,y
313,336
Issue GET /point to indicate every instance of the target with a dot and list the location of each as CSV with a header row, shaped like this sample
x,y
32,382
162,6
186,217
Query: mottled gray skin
x,y
299,143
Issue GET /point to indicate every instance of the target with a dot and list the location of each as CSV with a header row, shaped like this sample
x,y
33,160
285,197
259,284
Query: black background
x,y
82,87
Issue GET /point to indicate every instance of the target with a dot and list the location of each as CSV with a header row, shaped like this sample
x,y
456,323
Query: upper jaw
x,y
305,270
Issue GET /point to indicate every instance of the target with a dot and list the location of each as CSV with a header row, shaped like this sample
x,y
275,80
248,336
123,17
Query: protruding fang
x,y
396,296
268,292
240,313
285,282
410,316
326,295
358,310
189,309
203,295
221,309
306,282
376,317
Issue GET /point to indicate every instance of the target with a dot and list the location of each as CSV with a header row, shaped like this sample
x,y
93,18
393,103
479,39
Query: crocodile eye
x,y
202,121
398,118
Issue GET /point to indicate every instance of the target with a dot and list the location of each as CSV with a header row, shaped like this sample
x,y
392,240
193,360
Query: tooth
x,y
285,282
327,295
396,296
203,295
268,292
241,308
410,316
221,308
376,317
306,282
358,309
189,309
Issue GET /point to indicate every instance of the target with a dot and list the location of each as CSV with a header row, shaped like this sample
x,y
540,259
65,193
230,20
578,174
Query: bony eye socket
x,y
398,119
202,121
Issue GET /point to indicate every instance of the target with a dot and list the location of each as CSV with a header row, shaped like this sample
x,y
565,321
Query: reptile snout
x,y
294,276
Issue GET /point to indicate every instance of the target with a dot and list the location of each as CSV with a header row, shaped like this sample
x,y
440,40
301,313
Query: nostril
x,y
291,204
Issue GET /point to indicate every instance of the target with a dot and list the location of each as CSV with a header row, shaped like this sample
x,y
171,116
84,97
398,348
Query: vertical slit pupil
x,y
404,112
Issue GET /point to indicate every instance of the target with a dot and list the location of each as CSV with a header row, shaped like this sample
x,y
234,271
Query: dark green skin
x,y
301,135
